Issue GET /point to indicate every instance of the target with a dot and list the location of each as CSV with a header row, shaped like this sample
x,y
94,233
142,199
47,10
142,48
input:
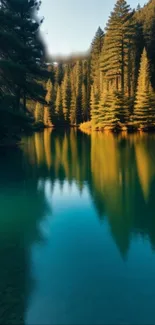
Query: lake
x,y
77,229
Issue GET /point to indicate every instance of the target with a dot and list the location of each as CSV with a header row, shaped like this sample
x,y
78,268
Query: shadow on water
x,y
119,173
21,207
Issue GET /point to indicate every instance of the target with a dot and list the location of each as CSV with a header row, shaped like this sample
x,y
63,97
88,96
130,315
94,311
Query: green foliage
x,y
39,113
49,114
146,18
59,107
125,36
78,92
66,94
73,108
94,104
108,113
49,89
112,85
47,117
59,75
22,65
118,45
84,102
144,112
96,48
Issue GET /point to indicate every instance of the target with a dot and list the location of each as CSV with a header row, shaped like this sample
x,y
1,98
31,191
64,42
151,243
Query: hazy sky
x,y
70,25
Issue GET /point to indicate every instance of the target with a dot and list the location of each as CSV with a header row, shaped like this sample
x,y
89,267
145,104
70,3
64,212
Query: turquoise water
x,y
77,230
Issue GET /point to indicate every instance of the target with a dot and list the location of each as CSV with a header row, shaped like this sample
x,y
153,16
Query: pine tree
x,y
96,48
108,110
72,117
118,45
86,84
59,73
66,94
47,117
84,102
78,92
22,63
109,115
59,107
122,105
145,17
39,113
49,89
50,99
73,108
32,54
94,104
143,108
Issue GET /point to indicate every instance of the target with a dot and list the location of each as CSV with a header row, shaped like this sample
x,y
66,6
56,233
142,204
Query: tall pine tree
x,y
66,94
144,111
59,107
117,48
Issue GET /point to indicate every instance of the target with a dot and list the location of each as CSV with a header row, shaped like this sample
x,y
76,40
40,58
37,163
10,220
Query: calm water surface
x,y
77,230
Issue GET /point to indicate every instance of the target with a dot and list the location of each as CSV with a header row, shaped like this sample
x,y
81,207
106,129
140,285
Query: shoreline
x,y
10,143
129,129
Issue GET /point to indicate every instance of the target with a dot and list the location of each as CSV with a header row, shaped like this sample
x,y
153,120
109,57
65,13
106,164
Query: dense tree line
x,y
67,97
124,95
113,86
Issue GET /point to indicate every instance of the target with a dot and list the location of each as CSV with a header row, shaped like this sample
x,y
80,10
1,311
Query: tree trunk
x,y
122,69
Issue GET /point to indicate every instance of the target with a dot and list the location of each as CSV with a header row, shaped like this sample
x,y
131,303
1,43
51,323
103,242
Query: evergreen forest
x,y
111,87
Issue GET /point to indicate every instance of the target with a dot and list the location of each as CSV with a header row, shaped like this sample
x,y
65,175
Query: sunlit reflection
x,y
39,145
77,228
146,165
47,146
119,172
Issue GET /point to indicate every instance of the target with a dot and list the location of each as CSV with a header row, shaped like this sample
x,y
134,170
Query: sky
x,y
70,25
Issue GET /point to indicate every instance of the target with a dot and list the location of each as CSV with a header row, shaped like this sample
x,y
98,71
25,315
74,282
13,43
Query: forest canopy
x,y
112,86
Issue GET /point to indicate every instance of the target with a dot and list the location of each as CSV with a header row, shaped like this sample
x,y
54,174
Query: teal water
x,y
77,230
